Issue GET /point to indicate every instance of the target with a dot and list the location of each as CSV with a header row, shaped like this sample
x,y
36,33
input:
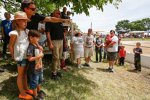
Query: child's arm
x,y
134,50
140,51
31,58
11,45
125,53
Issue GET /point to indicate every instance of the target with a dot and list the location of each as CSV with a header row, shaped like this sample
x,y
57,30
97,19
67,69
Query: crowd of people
x,y
29,32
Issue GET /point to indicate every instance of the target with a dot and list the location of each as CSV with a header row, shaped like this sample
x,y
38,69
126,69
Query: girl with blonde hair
x,y
18,47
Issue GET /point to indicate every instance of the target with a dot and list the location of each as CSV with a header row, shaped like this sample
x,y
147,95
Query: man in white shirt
x,y
88,47
112,49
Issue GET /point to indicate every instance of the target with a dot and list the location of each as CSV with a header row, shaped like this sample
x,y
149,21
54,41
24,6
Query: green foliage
x,y
122,25
138,25
46,6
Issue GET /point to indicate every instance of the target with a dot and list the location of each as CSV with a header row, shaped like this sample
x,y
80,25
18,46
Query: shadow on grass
x,y
102,69
72,86
133,71
8,89
9,66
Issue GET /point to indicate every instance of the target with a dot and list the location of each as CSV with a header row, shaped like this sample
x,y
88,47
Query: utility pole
x,y
91,25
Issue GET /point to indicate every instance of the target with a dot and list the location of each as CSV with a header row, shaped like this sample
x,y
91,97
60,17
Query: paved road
x,y
145,45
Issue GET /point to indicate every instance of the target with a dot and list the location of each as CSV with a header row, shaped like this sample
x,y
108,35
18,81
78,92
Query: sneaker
x,y
54,77
29,91
111,70
86,64
2,70
26,97
96,61
79,66
138,71
5,57
37,98
59,74
41,94
65,68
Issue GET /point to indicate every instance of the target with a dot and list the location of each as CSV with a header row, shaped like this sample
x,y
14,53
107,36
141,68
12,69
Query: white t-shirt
x,y
21,44
43,36
88,41
78,43
114,48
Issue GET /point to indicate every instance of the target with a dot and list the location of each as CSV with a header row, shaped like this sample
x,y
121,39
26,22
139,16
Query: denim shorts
x,y
22,63
36,79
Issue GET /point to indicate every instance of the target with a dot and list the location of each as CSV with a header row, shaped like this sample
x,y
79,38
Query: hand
x,y
51,46
42,30
39,46
41,55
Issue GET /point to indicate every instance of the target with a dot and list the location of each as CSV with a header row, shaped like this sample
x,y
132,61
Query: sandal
x,y
29,91
26,97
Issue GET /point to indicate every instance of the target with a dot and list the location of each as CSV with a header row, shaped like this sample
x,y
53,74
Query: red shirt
x,y
122,53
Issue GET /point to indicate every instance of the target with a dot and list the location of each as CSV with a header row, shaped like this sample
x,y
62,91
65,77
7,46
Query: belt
x,y
87,47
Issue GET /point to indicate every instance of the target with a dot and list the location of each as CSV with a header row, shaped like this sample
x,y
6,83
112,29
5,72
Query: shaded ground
x,y
93,83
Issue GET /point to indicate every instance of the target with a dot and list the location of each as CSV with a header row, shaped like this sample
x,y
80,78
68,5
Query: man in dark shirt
x,y
64,13
54,32
98,48
29,8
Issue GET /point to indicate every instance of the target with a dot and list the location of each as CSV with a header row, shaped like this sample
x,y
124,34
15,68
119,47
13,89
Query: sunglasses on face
x,y
33,9
58,13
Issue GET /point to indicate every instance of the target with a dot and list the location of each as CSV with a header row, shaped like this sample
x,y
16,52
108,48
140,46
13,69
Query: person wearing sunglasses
x,y
55,36
29,7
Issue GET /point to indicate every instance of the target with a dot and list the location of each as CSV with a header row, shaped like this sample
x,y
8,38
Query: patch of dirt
x,y
123,84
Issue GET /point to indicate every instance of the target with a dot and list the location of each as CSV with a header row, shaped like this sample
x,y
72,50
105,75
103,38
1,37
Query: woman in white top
x,y
18,47
78,48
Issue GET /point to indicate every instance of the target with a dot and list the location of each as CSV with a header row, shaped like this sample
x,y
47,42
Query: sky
x,y
104,21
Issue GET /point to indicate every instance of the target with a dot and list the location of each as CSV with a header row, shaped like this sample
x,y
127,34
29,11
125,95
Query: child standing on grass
x,y
35,67
18,46
137,56
122,55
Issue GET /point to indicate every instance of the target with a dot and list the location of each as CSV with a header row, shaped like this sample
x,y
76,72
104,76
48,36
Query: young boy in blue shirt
x,y
35,67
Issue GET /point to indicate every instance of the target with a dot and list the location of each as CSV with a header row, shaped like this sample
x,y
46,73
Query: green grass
x,y
72,86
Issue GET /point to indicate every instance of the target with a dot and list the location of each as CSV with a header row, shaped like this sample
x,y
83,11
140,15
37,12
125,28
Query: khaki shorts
x,y
88,52
78,54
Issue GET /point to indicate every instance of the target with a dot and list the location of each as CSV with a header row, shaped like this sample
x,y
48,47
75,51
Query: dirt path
x,y
120,85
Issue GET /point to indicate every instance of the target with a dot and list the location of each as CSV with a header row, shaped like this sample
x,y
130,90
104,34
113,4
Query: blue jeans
x,y
98,52
36,79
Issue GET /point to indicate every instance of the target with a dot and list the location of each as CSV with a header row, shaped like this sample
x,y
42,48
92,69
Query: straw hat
x,y
20,15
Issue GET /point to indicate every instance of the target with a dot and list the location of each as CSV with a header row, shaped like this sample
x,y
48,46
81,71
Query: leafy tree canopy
x,y
138,25
46,6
